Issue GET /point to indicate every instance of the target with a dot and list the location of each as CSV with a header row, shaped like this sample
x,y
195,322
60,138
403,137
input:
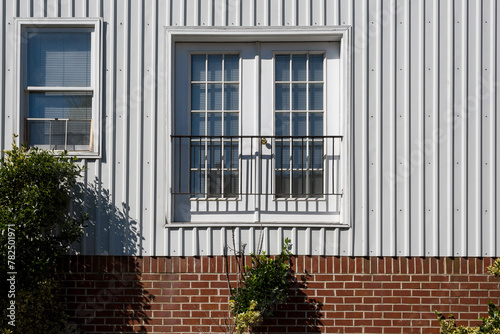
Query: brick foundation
x,y
332,294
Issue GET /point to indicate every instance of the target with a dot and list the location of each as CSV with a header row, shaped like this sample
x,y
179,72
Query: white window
x,y
60,85
258,133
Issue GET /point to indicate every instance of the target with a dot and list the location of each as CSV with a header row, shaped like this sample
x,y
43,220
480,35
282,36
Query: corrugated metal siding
x,y
425,144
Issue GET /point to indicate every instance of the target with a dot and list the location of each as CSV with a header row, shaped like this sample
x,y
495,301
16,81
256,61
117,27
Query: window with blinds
x,y
59,88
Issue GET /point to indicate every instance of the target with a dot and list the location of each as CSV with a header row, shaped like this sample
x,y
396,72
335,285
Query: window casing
x,y
257,197
59,102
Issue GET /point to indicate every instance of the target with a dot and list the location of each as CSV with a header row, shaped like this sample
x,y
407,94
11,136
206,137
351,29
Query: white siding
x,y
426,153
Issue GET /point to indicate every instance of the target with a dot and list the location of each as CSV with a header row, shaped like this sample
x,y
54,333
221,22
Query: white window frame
x,y
340,34
25,25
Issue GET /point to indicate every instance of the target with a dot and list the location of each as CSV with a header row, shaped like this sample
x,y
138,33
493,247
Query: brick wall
x,y
331,294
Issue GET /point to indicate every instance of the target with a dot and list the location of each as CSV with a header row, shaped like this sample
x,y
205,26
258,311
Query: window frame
x,y
25,25
341,34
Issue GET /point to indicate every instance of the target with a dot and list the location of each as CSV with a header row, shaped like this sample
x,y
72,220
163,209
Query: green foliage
x,y
263,286
246,320
40,310
489,325
36,230
35,193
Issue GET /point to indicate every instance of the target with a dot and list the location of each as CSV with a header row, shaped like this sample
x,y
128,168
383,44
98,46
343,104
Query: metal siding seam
x,y
474,157
374,147
196,241
388,115
496,104
460,135
431,131
3,105
402,125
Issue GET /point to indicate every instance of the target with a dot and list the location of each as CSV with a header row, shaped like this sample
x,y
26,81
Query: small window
x,y
60,87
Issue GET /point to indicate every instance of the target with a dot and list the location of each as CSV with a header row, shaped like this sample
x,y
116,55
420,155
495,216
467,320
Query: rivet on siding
x,y
400,22
485,210
485,69
485,21
458,21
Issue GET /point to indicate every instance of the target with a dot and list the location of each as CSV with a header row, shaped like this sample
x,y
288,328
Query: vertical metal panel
x,y
431,129
388,129
425,144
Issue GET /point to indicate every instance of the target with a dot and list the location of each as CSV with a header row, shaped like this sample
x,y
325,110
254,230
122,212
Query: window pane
x,y
198,97
282,68
299,63
214,124
316,97
198,124
316,183
78,135
231,183
299,100
60,105
316,154
282,124
59,59
231,67
214,184
231,124
299,154
214,68
197,154
316,124
299,183
315,67
231,154
282,153
214,98
198,183
282,97
231,97
214,154
198,68
299,124
282,184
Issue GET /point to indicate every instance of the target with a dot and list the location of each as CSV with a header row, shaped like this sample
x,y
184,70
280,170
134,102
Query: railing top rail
x,y
251,136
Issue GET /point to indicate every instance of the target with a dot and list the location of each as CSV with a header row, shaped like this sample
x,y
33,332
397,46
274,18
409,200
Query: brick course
x,y
119,294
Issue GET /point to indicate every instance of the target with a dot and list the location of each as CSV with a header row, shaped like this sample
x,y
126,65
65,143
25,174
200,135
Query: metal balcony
x,y
228,167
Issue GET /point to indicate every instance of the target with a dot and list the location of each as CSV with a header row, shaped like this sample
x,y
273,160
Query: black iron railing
x,y
227,167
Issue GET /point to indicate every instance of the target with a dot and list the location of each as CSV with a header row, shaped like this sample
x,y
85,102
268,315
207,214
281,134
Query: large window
x,y
60,86
258,133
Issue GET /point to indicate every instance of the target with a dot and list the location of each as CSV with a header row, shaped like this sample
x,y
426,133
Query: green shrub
x,y
489,325
263,286
36,227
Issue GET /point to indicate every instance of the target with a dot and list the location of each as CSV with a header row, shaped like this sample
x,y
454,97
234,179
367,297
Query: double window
x,y
60,86
257,132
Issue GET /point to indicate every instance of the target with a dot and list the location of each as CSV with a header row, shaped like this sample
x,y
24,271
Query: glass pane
x,y
231,184
214,98
315,67
315,124
198,183
214,184
282,184
316,183
299,183
198,68
60,105
78,135
299,100
231,67
282,124
214,154
299,64
214,124
282,96
197,154
299,154
316,97
231,124
316,154
282,154
231,154
231,97
198,97
299,124
282,68
214,68
59,59
198,124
